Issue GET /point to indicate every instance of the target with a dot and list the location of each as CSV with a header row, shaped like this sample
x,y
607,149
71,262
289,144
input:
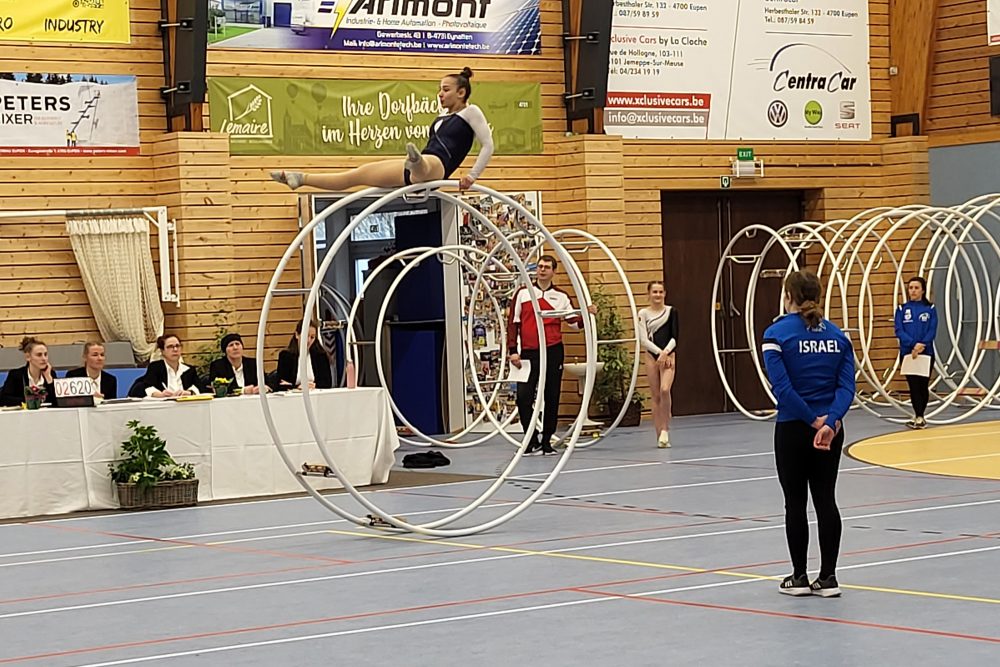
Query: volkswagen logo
x,y
777,113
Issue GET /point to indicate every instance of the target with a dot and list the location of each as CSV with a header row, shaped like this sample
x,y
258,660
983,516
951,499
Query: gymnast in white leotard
x,y
658,337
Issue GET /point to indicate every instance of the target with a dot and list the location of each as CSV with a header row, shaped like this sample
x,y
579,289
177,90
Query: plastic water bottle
x,y
352,375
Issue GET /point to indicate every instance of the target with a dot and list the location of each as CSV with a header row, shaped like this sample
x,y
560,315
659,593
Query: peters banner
x,y
754,69
477,27
68,114
92,21
338,117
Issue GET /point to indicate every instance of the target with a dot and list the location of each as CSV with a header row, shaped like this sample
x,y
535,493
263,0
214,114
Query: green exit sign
x,y
744,154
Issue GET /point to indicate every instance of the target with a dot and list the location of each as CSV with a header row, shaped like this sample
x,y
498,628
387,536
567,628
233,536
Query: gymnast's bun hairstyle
x,y
29,343
462,81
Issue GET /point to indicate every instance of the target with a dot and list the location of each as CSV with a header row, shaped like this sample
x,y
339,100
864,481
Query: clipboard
x,y
521,374
920,366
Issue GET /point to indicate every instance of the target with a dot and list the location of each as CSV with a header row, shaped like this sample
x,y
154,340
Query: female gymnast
x,y
451,137
658,335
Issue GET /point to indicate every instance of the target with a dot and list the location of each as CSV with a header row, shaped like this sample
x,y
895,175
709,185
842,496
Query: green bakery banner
x,y
351,117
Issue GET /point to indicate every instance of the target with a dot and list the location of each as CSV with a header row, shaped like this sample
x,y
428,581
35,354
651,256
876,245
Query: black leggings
x,y
919,393
553,383
800,465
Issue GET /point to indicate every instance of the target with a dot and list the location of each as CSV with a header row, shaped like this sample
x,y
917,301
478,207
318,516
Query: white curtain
x,y
117,269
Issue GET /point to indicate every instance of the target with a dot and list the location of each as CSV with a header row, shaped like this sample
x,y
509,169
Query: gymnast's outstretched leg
x,y
382,174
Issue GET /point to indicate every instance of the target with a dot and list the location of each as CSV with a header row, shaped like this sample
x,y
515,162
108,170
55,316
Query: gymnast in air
x,y
451,138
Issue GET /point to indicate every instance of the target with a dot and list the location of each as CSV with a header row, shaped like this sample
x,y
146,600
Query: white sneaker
x,y
663,442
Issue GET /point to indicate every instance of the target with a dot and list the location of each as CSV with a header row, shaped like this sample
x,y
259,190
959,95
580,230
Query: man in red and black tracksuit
x,y
521,324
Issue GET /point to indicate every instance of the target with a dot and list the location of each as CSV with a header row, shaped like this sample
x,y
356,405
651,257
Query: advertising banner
x,y
498,27
748,69
91,21
348,117
68,114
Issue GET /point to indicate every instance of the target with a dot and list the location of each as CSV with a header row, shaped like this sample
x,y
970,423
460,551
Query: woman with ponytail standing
x,y
450,140
810,364
916,325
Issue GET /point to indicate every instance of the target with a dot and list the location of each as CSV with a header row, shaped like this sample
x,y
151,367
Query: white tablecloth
x,y
54,461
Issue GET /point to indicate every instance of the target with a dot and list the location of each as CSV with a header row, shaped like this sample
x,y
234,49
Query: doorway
x,y
697,226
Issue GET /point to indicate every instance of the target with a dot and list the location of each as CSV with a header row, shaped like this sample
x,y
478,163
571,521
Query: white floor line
x,y
463,561
485,480
669,487
344,521
451,619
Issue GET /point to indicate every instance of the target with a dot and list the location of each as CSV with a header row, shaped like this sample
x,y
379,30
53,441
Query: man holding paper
x,y
521,325
916,326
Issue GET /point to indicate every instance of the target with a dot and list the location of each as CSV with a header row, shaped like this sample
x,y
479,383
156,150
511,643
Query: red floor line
x,y
329,619
801,617
160,584
512,544
438,552
188,543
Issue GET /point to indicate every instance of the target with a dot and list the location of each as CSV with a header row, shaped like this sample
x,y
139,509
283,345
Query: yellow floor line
x,y
659,566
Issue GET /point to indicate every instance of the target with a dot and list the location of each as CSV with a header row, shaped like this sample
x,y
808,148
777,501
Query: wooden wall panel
x,y
41,292
235,222
959,104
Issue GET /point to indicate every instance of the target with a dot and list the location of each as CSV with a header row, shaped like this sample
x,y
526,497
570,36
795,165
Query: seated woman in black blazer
x,y
318,372
168,376
36,372
234,366
105,384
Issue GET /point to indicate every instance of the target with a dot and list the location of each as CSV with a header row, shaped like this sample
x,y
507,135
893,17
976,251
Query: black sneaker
x,y
797,586
547,450
534,449
826,588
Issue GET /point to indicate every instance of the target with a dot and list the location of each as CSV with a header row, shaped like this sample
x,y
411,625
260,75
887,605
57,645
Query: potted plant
x,y
148,477
221,386
34,397
612,384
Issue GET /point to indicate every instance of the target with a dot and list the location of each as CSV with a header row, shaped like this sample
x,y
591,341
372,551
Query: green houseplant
x,y
613,382
148,477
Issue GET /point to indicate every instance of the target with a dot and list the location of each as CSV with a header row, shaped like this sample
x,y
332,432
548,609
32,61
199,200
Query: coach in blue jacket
x,y
916,325
810,363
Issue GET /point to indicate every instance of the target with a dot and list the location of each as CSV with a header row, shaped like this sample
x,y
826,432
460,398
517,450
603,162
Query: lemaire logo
x,y
249,114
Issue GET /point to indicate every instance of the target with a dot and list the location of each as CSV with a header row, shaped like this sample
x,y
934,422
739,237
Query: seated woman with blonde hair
x,y
105,384
36,372
451,137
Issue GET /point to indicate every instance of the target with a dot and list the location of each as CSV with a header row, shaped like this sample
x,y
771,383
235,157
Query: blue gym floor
x,y
638,556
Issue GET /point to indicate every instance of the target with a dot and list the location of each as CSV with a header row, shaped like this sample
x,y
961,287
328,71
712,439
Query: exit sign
x,y
744,154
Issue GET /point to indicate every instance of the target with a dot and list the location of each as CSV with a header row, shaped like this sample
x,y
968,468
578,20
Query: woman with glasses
x,y
169,377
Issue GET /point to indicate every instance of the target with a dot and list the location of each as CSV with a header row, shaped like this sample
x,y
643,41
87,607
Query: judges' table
x,y
56,460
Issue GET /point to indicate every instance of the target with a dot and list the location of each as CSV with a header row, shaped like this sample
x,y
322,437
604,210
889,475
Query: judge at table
x,y
168,376
105,384
240,370
36,372
319,375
